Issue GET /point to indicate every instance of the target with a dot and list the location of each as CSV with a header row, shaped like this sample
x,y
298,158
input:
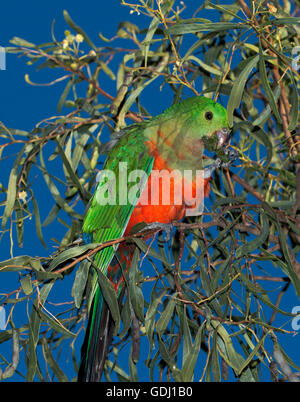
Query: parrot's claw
x,y
208,171
79,240
232,155
167,227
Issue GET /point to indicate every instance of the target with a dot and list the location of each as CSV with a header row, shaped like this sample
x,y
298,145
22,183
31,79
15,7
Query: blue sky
x,y
22,105
32,20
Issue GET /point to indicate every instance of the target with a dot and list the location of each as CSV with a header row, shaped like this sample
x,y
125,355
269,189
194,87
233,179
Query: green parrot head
x,y
208,123
186,130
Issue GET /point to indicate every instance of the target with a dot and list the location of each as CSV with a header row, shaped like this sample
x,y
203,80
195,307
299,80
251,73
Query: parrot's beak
x,y
222,136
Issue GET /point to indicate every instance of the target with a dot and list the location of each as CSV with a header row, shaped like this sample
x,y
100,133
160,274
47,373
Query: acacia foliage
x,y
208,305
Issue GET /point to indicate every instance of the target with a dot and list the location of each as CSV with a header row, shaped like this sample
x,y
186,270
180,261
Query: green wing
x,y
107,222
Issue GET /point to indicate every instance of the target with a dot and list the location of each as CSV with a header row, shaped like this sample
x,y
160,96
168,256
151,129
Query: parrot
x,y
173,141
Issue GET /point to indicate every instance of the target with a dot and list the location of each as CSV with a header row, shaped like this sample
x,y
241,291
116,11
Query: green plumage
x,y
179,130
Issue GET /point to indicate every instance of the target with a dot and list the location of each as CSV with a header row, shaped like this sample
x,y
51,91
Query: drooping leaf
x,y
238,88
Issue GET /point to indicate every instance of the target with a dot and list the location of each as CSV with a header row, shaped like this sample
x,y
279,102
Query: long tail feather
x,y
100,329
97,340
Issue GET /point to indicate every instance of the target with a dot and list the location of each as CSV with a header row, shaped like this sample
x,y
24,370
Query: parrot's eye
x,y
209,115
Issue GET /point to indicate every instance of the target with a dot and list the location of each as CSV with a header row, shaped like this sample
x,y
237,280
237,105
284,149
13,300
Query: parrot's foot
x,y
232,156
208,171
167,227
79,240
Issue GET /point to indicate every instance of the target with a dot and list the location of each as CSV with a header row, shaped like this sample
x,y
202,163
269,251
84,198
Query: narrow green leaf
x,y
55,324
284,366
135,292
19,263
225,9
165,7
107,70
54,191
132,368
52,363
19,223
69,168
52,215
12,188
11,132
260,293
290,271
34,330
155,300
185,330
286,21
294,105
77,29
26,285
80,282
133,96
118,370
260,136
266,85
266,113
21,42
36,212
71,253
215,364
252,245
238,88
255,288
64,95
151,252
185,28
81,141
109,295
126,317
191,359
44,276
166,356
254,352
206,67
166,316
287,358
